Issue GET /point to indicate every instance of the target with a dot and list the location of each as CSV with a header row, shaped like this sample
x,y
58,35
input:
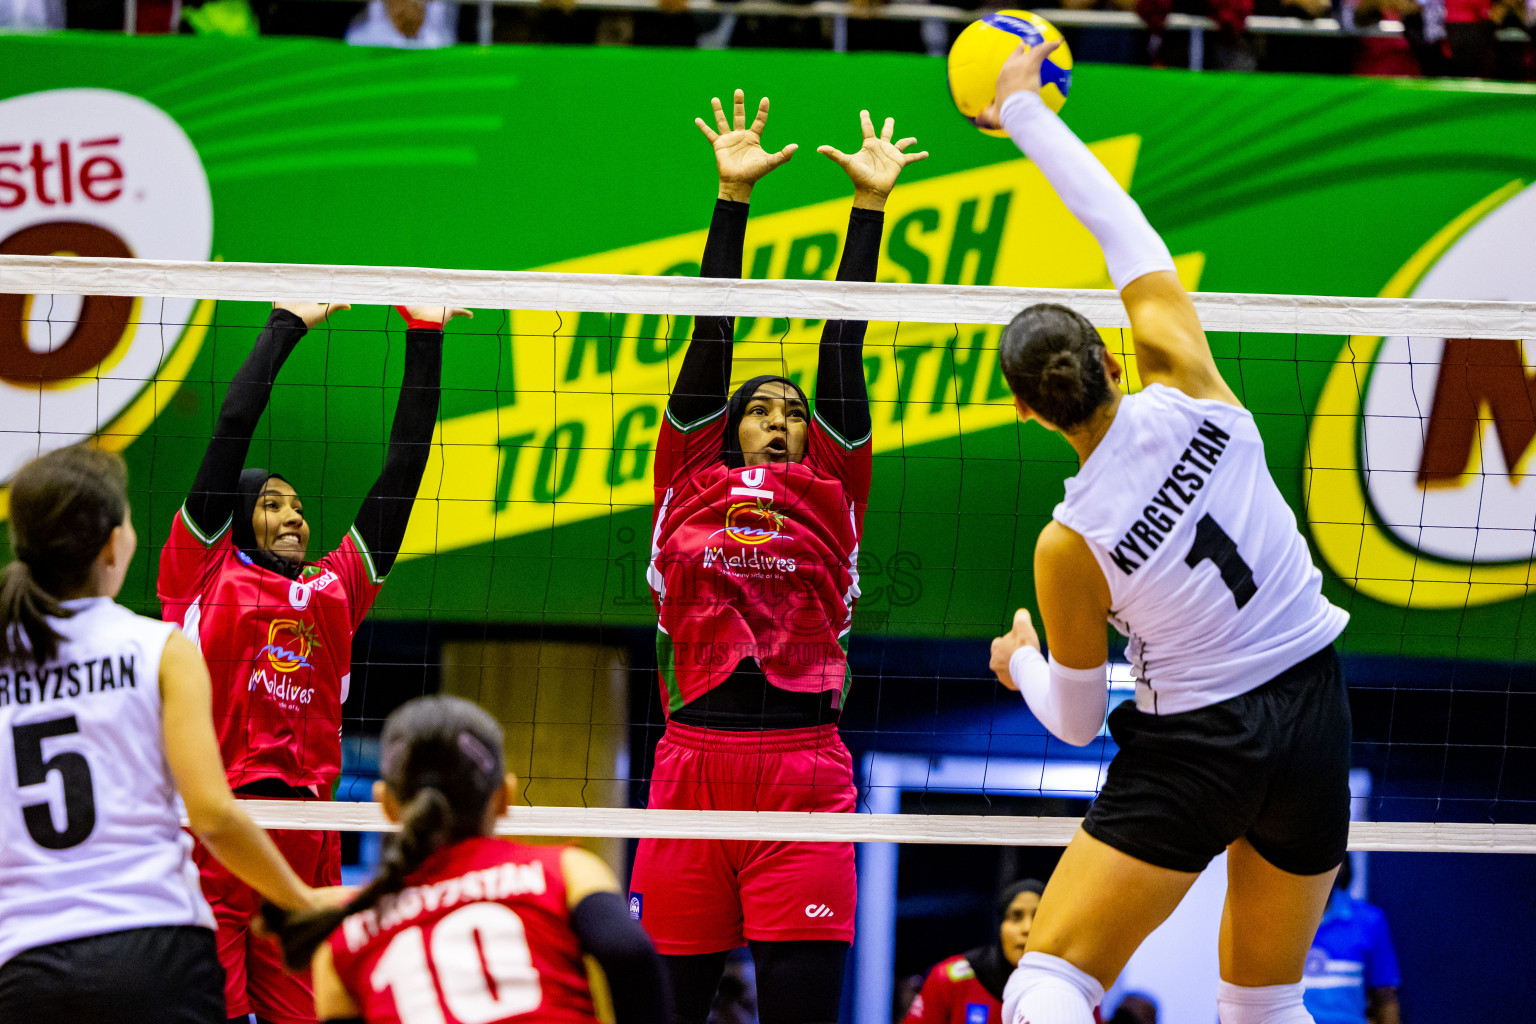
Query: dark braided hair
x,y
1053,360
441,757
64,507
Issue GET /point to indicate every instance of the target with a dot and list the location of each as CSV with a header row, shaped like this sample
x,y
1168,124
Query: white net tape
x,y
823,300
790,826
815,300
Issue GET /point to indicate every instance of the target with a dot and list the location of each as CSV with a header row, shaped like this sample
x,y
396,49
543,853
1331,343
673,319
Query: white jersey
x,y
1208,576
90,823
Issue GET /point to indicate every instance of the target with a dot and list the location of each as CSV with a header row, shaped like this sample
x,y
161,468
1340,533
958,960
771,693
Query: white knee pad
x,y
1269,1004
1046,989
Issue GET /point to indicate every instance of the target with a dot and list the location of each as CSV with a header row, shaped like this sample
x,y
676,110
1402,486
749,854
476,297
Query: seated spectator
x,y
1386,56
960,989
1351,974
406,24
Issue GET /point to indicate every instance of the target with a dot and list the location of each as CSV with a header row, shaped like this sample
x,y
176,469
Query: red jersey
x,y
754,562
479,935
952,995
279,650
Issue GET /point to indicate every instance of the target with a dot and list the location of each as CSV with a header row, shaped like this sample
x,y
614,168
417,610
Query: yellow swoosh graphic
x,y
1354,542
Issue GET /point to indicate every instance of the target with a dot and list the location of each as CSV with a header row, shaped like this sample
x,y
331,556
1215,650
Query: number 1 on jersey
x,y
1212,542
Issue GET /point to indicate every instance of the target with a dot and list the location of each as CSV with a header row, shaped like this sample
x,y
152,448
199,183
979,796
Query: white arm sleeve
x,y
1131,247
1070,702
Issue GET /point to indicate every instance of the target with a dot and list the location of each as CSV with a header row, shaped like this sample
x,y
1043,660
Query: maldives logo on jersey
x,y
92,172
1420,492
753,522
289,644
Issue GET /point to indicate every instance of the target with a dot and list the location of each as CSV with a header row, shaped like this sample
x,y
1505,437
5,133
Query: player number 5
x,y
75,774
483,965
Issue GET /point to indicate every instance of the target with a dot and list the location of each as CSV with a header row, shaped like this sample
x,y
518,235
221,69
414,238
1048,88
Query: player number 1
x,y
1212,542
483,965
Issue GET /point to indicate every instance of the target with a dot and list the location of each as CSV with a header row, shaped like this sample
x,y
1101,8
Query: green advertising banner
x,y
537,502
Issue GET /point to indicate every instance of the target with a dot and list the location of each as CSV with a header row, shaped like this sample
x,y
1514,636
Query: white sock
x,y
1267,1004
1046,989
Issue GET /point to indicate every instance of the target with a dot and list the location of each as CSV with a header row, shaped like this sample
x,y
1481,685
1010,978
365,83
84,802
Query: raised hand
x,y
312,313
1019,73
432,314
739,154
874,168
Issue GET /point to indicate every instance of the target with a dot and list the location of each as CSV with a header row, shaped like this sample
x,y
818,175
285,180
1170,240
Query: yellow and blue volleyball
x,y
978,54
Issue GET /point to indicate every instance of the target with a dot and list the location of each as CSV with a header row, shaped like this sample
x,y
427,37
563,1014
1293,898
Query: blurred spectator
x,y
968,989
1386,56
1470,39
1351,974
406,24
31,14
1135,1008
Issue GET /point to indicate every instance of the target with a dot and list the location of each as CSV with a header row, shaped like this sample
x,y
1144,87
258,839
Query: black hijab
x,y
247,493
736,408
991,966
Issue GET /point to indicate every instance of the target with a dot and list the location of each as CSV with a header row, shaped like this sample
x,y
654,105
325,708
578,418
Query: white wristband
x,y
1070,702
1131,248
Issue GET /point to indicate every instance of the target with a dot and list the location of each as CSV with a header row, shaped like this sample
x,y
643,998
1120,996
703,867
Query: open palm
x,y
739,153
878,162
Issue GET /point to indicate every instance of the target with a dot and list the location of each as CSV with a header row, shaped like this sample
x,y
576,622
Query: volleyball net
x,y
1397,429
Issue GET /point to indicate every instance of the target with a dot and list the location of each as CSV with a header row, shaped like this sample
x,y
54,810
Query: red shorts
x,y
255,980
707,895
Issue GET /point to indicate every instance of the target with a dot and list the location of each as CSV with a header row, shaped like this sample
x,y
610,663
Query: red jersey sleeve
x,y
682,448
353,565
188,564
850,463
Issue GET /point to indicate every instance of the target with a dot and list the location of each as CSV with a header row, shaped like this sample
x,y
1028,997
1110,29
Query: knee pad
x,y
1267,1004
1046,989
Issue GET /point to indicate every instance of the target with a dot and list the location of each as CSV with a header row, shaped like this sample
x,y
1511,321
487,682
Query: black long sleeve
x,y
622,949
386,511
704,379
842,397
211,502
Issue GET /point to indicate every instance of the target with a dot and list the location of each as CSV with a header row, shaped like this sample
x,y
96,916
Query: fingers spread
x,y
888,129
904,143
761,121
739,111
866,124
720,121
912,158
708,133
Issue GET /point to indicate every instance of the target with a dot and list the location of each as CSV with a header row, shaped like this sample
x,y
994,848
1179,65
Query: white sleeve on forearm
x,y
1070,702
1131,247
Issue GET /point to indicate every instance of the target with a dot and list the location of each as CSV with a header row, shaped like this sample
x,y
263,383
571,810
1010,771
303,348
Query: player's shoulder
x,y
954,970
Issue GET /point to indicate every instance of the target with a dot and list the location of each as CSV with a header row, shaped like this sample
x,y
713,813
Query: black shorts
x,y
1271,766
139,976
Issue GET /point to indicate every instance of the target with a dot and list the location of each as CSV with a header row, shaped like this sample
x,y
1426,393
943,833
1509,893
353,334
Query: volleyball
x,y
978,54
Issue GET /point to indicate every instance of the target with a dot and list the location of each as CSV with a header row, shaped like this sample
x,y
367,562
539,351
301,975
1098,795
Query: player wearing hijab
x,y
101,920
968,988
276,630
460,927
1174,531
759,506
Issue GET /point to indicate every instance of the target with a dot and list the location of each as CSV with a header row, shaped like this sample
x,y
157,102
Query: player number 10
x,y
483,965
